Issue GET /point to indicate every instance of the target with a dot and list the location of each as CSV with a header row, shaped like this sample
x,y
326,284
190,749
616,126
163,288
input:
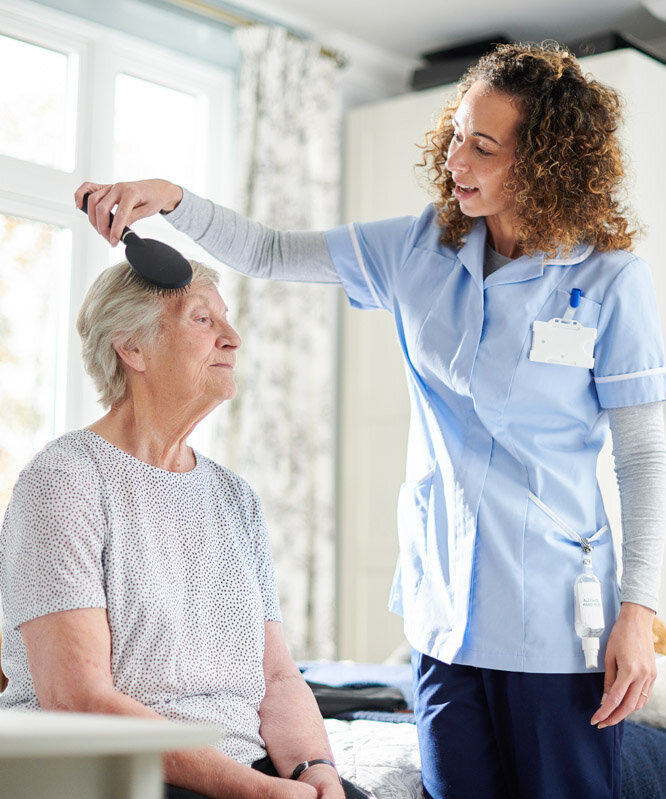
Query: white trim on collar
x,y
576,258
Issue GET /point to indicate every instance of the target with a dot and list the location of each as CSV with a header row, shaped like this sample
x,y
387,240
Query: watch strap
x,y
306,764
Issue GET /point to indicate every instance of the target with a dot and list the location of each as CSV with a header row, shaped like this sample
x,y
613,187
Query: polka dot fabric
x,y
180,561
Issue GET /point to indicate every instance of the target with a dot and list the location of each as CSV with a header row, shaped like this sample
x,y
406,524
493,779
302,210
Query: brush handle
x,y
84,208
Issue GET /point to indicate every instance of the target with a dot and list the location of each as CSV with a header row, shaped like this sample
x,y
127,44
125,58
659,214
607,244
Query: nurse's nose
x,y
456,159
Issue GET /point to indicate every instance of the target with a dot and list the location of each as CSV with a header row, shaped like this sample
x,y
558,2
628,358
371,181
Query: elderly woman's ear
x,y
131,356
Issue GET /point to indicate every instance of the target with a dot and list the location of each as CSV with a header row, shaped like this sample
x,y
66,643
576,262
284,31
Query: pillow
x,y
659,635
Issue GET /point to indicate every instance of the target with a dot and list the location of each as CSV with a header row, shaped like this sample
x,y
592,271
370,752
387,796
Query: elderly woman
x,y
527,328
136,574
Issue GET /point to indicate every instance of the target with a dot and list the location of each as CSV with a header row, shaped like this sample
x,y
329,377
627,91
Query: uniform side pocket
x,y
413,509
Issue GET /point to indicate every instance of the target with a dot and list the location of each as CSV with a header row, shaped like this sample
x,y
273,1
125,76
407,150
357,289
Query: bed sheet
x,y
382,756
379,757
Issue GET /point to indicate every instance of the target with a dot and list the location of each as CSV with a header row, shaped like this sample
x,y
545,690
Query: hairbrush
x,y
159,267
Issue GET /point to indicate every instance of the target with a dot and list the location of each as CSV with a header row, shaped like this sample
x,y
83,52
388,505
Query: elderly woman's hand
x,y
630,665
325,780
131,201
289,789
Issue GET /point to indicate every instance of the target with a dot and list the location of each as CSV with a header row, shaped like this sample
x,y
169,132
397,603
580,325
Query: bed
x,y
377,748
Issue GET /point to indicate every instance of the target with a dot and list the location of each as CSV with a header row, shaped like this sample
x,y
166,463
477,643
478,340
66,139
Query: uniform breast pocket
x,y
551,397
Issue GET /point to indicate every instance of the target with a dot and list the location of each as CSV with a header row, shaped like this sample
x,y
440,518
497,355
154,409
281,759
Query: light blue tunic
x,y
502,450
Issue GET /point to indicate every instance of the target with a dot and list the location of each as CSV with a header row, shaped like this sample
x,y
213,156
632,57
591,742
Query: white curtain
x,y
279,432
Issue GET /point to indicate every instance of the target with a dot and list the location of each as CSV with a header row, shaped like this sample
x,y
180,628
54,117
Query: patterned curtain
x,y
279,431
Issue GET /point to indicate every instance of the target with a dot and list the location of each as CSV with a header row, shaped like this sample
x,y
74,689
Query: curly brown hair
x,y
567,176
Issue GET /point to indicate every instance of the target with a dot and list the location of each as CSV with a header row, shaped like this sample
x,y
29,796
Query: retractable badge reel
x,y
564,340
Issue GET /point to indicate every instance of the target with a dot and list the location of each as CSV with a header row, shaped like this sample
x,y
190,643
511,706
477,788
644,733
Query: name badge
x,y
563,341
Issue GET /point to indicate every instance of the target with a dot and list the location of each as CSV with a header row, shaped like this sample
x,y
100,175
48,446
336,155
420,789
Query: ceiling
x,y
409,28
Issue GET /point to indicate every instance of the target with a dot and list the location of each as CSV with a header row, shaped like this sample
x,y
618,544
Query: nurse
x,y
528,328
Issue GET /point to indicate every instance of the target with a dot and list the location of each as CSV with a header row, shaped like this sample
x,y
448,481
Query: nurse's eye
x,y
481,151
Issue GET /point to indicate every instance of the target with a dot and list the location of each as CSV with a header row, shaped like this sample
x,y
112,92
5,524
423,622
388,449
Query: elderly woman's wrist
x,y
314,770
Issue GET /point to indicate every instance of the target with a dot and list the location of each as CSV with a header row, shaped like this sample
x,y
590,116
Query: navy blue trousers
x,y
488,734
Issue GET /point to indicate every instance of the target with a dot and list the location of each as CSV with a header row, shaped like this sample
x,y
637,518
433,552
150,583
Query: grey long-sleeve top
x,y
639,443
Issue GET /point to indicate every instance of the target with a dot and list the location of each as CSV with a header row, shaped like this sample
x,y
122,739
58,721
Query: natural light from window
x,y
155,131
37,97
34,284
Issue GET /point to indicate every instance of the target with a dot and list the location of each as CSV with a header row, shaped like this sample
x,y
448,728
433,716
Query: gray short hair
x,y
120,309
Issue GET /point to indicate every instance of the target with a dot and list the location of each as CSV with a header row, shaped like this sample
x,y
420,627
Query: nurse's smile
x,y
464,192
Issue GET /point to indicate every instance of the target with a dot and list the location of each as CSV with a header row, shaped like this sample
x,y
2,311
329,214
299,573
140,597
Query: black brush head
x,y
158,264
160,267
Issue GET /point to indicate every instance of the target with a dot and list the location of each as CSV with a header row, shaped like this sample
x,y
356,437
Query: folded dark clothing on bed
x,y
399,717
345,673
334,700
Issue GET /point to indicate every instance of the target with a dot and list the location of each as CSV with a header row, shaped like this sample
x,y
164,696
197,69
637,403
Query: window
x,y
33,314
39,103
167,119
82,103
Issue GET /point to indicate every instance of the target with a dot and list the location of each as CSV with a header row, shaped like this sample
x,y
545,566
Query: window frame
x,y
45,194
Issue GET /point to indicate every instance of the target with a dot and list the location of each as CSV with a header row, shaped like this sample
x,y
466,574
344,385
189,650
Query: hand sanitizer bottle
x,y
589,609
